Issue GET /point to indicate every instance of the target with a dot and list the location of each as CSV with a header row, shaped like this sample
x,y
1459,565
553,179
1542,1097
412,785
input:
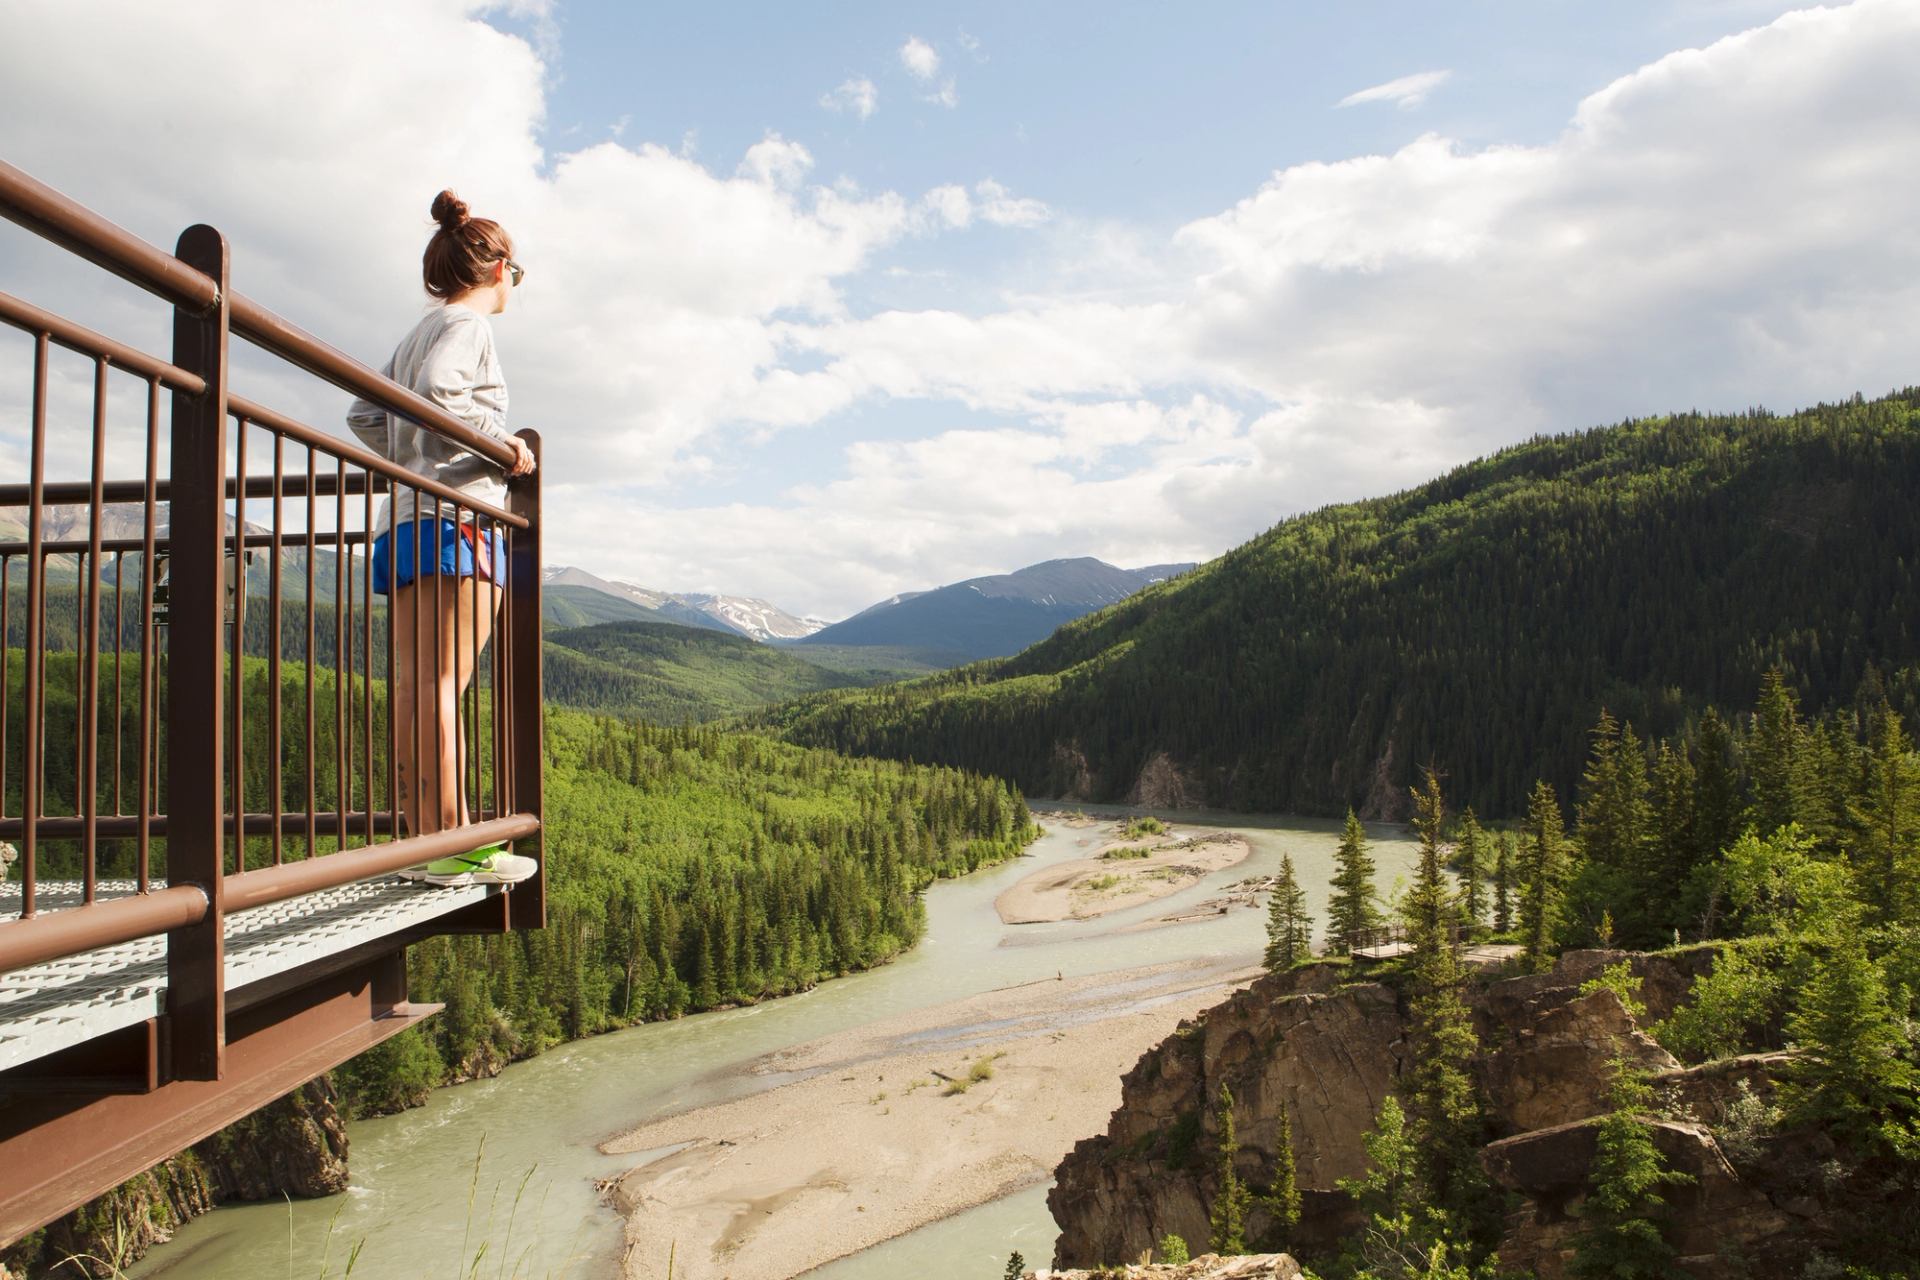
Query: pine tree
x,y
1443,1107
1471,858
1716,805
1669,859
1541,874
1503,884
1289,927
1887,818
1771,749
1282,1200
1427,911
1228,1215
1622,1215
1853,1072
1353,906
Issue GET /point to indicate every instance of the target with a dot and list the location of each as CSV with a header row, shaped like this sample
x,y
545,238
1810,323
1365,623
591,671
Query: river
x,y
508,1165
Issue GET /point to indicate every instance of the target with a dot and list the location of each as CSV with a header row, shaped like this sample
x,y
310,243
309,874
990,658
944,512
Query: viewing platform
x,y
205,785
47,1008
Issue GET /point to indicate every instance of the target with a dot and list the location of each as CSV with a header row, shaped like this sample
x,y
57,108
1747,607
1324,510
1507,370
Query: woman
x,y
445,573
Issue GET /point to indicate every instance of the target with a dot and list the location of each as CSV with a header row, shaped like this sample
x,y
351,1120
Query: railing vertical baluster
x,y
196,988
393,641
89,660
342,605
312,745
527,903
366,641
237,663
33,800
437,796
497,711
420,671
276,780
119,647
6,639
149,753
472,587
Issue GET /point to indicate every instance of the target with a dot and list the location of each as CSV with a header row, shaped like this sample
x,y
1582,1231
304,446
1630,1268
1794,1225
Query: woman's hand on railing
x,y
523,463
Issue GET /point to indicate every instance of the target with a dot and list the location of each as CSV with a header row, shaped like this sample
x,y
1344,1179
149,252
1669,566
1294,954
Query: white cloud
x,y
1406,93
857,95
1346,329
920,58
1002,208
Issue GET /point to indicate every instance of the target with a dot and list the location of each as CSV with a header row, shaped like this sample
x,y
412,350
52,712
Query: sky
x,y
826,303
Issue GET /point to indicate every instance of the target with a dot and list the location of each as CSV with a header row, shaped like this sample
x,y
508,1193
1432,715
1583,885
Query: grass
x,y
1130,851
1147,826
980,1070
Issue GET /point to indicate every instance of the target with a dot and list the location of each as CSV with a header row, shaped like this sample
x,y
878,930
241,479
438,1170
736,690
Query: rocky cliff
x,y
1331,1045
295,1146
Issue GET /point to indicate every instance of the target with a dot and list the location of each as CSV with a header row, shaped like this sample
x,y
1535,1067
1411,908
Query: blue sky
x,y
829,302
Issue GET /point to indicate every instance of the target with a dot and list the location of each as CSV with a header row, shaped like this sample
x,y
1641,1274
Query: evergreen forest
x,y
688,867
1480,621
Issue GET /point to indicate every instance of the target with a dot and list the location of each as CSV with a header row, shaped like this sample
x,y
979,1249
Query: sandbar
x,y
1088,887
894,1125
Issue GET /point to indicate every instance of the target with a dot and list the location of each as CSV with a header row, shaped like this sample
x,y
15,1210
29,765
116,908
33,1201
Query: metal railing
x,y
220,731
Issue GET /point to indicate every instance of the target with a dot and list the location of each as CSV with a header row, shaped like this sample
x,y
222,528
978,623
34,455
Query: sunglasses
x,y
517,271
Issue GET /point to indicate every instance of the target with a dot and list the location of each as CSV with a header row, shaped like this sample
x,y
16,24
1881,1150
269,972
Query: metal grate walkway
x,y
55,1006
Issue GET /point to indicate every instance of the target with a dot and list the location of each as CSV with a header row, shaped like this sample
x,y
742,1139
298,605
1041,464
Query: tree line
x,y
1655,567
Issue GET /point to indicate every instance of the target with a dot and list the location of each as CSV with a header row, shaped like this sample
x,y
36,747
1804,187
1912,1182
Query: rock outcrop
x,y
1246,1266
1330,1046
295,1146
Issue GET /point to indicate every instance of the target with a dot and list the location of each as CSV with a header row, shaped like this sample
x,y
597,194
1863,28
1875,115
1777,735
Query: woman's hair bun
x,y
449,210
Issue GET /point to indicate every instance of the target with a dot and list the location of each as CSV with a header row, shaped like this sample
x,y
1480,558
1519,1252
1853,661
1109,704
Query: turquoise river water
x,y
524,1146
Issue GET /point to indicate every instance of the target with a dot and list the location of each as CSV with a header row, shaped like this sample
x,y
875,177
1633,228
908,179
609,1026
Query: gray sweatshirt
x,y
449,359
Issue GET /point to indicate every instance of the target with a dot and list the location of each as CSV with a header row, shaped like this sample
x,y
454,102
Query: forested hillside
x,y
687,868
670,674
1478,623
690,868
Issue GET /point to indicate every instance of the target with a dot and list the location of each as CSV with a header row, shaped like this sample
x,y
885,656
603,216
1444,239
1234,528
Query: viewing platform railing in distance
x,y
194,667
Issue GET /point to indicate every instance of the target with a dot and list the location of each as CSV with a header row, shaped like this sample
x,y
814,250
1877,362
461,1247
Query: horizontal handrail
x,y
125,826
56,217
246,890
51,935
109,922
53,216
128,493
22,314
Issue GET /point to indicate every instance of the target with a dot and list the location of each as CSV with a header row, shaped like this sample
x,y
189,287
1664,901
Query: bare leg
x,y
429,678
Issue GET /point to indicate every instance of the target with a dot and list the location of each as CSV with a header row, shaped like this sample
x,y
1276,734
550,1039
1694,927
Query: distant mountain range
x,y
997,615
737,615
980,618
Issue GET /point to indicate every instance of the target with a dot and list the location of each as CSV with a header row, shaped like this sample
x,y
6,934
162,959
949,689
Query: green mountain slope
x,y
570,606
670,674
1479,623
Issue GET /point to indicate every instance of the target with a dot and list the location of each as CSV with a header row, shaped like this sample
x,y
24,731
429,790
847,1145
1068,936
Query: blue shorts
x,y
437,547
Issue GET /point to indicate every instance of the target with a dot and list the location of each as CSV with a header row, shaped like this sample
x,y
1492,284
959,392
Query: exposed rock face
x,y
1332,1053
1560,1065
1163,785
1720,1223
295,1146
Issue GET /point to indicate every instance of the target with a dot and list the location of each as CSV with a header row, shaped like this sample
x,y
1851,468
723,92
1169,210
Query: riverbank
x,y
896,1124
1125,873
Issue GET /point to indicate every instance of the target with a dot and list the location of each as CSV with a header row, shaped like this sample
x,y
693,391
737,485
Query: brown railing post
x,y
196,981
527,904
